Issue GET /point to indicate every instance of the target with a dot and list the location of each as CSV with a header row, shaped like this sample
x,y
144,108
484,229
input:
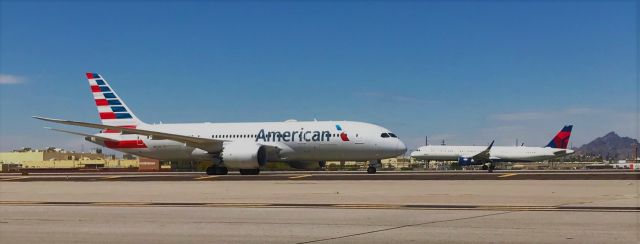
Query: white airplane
x,y
486,156
242,146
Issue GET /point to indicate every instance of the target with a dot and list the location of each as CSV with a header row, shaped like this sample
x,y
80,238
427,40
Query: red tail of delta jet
x,y
561,140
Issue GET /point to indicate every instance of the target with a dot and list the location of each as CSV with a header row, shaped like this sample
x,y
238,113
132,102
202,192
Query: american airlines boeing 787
x,y
241,146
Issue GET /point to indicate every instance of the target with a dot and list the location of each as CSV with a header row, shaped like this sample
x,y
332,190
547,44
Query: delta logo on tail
x,y
343,135
561,140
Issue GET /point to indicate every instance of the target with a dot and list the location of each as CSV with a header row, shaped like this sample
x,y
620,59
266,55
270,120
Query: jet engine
x,y
464,161
243,155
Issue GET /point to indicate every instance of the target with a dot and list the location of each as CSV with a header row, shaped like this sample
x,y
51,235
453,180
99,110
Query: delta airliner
x,y
242,146
486,156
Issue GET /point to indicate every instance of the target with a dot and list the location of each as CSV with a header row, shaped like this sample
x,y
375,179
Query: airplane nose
x,y
402,149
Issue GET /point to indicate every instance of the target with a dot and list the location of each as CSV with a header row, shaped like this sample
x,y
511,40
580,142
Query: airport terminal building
x,y
58,159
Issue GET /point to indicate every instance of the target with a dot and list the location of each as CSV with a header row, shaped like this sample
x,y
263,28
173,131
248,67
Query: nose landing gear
x,y
373,165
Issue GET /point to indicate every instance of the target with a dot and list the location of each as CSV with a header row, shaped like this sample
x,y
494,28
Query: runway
x,y
329,206
320,211
323,175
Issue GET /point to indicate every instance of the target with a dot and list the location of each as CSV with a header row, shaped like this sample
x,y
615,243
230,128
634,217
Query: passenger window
x,y
384,135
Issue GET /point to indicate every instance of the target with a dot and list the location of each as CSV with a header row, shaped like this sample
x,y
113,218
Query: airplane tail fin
x,y
561,140
111,108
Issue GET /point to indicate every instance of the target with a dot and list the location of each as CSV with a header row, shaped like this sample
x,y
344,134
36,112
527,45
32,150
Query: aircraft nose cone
x,y
402,149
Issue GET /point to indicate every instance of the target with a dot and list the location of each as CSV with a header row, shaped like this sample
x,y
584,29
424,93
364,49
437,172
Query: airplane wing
x,y
207,144
92,137
484,156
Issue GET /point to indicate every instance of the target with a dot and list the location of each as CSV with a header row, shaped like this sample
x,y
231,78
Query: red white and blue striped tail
x,y
111,107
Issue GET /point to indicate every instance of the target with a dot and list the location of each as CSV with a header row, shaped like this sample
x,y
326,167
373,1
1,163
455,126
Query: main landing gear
x,y
489,167
213,170
250,171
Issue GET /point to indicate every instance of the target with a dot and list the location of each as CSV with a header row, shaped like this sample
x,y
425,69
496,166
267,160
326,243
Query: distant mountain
x,y
609,147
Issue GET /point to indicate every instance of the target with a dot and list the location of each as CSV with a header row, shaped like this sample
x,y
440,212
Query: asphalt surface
x,y
320,175
629,209
320,211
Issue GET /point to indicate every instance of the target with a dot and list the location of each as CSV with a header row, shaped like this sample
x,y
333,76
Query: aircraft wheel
x,y
371,170
211,170
491,168
222,170
250,171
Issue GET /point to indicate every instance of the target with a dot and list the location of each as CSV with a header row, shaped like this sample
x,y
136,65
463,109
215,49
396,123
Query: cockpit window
x,y
392,135
384,135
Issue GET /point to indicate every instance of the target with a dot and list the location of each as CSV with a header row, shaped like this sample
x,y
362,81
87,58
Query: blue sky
x,y
466,72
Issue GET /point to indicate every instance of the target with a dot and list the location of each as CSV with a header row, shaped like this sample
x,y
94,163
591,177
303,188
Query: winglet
x,y
491,145
485,155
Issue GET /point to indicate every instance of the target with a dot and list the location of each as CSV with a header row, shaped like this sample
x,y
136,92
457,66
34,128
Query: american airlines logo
x,y
291,136
300,136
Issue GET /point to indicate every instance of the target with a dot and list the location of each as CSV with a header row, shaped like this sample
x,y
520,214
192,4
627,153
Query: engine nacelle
x,y
243,155
464,161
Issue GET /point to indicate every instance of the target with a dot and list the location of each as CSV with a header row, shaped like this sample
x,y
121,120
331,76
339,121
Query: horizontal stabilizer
x,y
93,137
207,144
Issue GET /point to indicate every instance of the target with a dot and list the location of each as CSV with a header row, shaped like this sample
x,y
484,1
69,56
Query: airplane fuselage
x,y
295,141
498,153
